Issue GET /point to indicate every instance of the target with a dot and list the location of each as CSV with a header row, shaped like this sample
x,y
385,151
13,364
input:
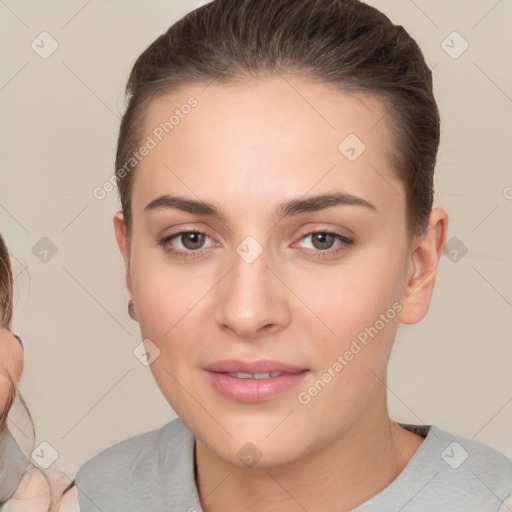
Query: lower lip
x,y
254,390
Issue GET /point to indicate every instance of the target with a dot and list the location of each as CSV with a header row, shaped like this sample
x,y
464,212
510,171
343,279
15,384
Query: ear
x,y
124,246
426,252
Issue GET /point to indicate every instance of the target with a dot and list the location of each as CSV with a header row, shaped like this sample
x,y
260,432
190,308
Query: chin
x,y
258,454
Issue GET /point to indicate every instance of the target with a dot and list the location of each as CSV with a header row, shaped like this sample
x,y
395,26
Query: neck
x,y
339,477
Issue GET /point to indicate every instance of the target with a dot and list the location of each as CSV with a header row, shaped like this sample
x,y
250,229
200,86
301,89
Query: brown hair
x,y
345,43
5,286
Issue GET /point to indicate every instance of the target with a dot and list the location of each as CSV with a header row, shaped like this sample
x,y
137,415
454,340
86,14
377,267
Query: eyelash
x,y
328,253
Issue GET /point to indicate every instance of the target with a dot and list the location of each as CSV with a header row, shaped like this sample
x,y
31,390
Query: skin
x,y
32,493
11,361
246,148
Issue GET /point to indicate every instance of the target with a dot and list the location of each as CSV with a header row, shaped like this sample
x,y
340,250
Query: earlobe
x,y
424,259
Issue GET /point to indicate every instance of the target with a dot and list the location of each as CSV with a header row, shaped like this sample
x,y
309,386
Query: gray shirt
x,y
154,472
13,464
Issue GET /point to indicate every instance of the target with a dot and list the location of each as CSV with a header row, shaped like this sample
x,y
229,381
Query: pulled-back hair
x,y
344,43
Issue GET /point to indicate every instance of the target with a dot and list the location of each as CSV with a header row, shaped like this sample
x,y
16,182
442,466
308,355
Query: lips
x,y
253,382
255,367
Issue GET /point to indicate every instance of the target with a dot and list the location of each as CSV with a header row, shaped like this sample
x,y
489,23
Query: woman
x,y
275,167
23,486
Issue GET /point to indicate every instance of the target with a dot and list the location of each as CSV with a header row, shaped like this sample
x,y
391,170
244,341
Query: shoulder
x,y
461,452
131,471
142,450
468,470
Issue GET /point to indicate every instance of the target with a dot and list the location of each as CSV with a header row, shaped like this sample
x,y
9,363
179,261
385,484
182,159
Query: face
x,y
11,362
271,319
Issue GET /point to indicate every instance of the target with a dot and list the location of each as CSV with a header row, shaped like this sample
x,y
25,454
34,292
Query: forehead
x,y
253,137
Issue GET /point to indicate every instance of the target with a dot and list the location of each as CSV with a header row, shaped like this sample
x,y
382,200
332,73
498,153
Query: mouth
x,y
241,375
253,382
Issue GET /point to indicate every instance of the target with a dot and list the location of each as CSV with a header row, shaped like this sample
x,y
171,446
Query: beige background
x,y
60,117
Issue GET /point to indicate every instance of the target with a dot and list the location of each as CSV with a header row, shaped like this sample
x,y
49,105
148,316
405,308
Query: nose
x,y
251,300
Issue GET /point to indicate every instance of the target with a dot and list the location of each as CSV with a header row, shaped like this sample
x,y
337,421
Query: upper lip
x,y
264,366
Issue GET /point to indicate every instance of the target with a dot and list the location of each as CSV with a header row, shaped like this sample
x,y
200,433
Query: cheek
x,y
11,363
356,306
165,304
170,303
353,295
165,294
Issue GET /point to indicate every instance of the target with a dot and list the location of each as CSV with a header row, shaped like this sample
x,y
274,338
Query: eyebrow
x,y
287,209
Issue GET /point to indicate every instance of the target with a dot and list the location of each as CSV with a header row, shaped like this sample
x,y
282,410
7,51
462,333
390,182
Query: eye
x,y
323,243
189,243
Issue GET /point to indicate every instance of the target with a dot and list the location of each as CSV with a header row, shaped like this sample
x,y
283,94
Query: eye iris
x,y
196,240
325,239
